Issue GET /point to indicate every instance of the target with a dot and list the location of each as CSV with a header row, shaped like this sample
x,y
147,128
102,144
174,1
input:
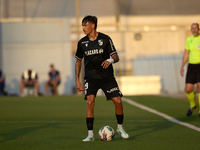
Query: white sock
x,y
119,126
90,132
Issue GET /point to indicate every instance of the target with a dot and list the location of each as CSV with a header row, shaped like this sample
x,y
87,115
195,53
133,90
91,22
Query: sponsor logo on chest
x,y
93,52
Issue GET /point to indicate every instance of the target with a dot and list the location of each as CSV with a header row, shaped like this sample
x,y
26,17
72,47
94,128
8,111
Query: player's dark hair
x,y
91,19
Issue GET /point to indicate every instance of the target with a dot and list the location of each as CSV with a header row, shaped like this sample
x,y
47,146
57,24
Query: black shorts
x,y
109,87
193,73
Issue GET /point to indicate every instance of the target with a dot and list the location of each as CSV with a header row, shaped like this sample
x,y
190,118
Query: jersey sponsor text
x,y
93,52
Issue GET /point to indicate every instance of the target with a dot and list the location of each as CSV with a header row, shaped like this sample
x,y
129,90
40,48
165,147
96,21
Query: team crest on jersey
x,y
86,45
100,42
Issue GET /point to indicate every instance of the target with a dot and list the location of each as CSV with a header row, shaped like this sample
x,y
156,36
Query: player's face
x,y
52,68
87,27
195,29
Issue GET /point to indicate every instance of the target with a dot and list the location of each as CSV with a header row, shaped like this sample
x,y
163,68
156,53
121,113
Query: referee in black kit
x,y
99,53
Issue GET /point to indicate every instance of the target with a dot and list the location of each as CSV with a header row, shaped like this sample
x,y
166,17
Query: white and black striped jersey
x,y
94,53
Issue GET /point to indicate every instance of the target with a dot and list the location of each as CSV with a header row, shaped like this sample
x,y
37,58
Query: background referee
x,y
192,53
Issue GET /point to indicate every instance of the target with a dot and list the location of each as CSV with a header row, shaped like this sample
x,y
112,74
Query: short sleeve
x,y
111,47
79,52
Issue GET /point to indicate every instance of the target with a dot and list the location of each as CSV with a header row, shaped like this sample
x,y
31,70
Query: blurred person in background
x,y
99,53
29,79
2,84
192,54
53,81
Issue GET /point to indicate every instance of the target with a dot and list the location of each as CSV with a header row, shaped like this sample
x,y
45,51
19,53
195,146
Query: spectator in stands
x,y
53,81
29,80
2,83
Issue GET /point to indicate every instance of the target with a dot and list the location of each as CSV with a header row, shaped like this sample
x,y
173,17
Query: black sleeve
x,y
111,47
79,52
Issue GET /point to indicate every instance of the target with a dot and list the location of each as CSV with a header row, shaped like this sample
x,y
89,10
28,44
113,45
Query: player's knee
x,y
90,103
46,84
189,90
54,86
118,101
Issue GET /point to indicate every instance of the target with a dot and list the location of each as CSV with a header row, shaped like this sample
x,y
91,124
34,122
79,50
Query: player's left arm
x,y
113,54
113,59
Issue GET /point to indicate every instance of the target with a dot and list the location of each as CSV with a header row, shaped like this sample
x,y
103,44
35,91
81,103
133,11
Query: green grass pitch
x,y
58,123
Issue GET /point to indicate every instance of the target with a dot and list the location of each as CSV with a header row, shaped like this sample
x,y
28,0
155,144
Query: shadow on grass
x,y
14,134
148,128
193,117
158,126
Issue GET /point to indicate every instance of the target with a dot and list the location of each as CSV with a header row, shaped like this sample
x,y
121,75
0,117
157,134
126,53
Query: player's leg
x,y
190,94
46,87
21,88
54,86
120,116
198,87
90,94
36,85
191,98
191,79
90,117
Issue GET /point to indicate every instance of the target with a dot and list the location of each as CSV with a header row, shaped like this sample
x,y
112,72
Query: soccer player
x,y
29,79
54,80
99,53
192,53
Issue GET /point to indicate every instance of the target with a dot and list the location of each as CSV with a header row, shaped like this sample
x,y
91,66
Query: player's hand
x,y
105,64
182,72
79,86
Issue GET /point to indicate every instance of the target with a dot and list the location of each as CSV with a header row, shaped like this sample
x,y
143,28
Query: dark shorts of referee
x,y
193,73
109,87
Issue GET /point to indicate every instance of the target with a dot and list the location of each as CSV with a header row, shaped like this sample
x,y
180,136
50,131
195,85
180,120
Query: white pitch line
x,y
161,114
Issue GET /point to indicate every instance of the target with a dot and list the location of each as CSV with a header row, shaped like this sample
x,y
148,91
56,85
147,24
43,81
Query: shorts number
x,y
86,87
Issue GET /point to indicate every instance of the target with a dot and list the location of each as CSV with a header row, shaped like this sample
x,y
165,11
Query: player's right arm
x,y
77,75
184,61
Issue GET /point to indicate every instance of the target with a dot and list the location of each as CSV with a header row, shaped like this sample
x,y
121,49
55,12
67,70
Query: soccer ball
x,y
106,133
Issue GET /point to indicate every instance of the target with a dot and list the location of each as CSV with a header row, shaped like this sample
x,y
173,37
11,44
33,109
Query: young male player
x,y
29,78
53,81
99,53
192,52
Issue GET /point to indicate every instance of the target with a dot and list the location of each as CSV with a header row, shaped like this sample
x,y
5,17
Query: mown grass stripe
x,y
129,101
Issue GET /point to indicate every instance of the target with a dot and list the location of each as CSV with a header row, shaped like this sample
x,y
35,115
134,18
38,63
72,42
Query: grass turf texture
x,y
56,123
